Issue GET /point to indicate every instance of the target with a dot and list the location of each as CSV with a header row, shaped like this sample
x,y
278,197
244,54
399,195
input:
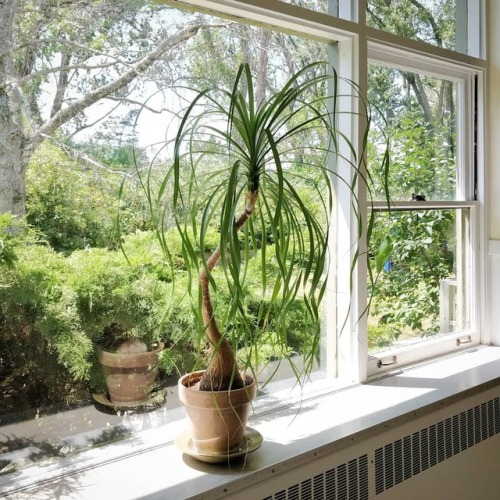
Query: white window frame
x,y
464,77
356,44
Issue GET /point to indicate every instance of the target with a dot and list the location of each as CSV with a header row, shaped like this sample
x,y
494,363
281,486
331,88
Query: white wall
x,y
493,118
493,170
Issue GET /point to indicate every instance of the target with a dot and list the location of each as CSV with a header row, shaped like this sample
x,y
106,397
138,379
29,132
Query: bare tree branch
x,y
85,158
95,122
69,67
133,101
432,21
52,41
379,22
66,114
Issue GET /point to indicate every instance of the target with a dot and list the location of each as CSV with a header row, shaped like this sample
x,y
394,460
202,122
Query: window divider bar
x,y
381,206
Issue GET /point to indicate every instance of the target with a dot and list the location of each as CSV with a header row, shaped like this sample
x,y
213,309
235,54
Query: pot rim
x,y
196,375
217,399
108,358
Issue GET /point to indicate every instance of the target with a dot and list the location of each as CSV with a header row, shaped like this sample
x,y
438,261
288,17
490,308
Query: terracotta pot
x,y
129,376
217,419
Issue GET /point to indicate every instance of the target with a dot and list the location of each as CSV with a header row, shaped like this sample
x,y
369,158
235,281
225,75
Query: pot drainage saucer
x,y
156,400
251,441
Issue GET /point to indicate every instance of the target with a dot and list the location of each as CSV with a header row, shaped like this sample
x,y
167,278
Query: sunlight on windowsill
x,y
323,419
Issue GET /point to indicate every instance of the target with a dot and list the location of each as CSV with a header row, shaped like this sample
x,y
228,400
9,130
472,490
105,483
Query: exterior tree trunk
x,y
13,142
12,172
15,150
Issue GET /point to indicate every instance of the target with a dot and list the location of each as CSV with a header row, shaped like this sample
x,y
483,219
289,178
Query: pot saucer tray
x,y
252,440
156,400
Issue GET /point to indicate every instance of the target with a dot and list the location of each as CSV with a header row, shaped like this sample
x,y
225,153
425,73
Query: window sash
x,y
395,357
417,62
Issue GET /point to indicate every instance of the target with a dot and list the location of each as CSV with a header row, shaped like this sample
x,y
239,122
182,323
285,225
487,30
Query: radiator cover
x,y
445,447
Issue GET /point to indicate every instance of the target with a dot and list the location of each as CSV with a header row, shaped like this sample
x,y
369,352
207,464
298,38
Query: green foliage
x,y
415,20
419,161
56,310
119,298
10,228
72,205
407,296
381,336
113,151
421,131
43,350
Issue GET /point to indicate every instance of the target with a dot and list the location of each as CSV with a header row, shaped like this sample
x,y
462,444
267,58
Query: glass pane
x,y
431,21
337,8
418,113
422,291
318,5
65,285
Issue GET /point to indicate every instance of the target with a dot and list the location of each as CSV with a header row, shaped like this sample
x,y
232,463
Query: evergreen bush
x,y
43,350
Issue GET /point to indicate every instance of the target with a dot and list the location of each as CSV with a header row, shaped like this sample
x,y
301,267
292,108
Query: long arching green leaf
x,y
235,168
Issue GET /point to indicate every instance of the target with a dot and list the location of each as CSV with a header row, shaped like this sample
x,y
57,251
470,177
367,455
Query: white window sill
x,y
311,426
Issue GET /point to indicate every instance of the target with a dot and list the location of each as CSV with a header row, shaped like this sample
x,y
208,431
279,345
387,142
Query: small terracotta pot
x,y
217,419
129,376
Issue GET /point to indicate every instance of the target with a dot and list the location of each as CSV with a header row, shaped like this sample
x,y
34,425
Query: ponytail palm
x,y
236,165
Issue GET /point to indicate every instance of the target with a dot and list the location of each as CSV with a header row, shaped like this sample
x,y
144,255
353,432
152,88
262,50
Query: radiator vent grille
x,y
347,481
407,457
400,460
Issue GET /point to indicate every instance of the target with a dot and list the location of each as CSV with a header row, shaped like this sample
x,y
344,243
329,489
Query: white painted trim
x,y
475,39
494,247
273,13
414,59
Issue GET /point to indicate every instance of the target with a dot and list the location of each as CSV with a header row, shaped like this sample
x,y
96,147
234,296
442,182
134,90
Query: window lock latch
x,y
386,362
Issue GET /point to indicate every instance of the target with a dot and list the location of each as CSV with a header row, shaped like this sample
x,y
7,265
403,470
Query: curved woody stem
x,y
222,373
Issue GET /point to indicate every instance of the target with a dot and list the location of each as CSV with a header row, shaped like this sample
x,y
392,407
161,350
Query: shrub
x,y
9,240
75,205
43,350
55,311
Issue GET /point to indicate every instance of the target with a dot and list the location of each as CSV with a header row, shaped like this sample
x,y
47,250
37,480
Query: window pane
x,y
422,290
318,5
418,113
60,299
337,8
431,21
